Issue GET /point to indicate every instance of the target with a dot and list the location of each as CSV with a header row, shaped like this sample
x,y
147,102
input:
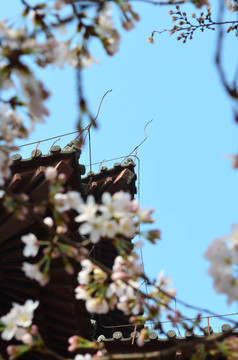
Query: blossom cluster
x,y
102,292
18,320
116,218
223,257
17,76
117,215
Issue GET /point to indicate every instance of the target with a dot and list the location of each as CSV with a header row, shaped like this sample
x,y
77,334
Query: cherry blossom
x,y
67,201
20,316
10,321
33,272
49,221
93,227
116,215
32,245
27,339
223,257
51,173
35,93
127,266
12,125
88,60
25,312
83,275
105,18
81,293
97,305
127,227
87,210
117,205
109,228
142,337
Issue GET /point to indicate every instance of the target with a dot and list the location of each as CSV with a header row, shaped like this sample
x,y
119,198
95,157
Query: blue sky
x,y
183,174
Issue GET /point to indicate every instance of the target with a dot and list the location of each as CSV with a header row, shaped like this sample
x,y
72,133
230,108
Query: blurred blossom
x,y
223,257
33,272
31,245
51,173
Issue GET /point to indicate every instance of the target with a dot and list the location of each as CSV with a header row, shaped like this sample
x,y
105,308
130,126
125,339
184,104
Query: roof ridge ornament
x,y
73,145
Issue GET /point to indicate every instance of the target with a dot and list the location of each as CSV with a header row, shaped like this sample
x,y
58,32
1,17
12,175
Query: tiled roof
x,y
59,315
171,347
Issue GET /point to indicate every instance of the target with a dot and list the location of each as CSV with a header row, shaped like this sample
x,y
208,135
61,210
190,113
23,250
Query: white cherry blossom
x,y
127,227
20,316
10,321
31,245
223,257
81,293
117,205
48,221
51,173
97,305
32,271
25,312
109,228
67,201
93,228
74,199
87,210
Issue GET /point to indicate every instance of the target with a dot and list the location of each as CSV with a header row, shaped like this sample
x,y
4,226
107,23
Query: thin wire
x,y
121,157
202,317
91,123
89,127
141,252
175,303
166,321
51,138
140,142
70,133
107,160
55,142
101,104
90,149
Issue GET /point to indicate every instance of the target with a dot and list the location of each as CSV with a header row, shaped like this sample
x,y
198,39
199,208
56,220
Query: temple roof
x,y
59,315
171,347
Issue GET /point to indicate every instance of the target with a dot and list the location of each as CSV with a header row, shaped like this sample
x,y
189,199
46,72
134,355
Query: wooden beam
x,y
14,182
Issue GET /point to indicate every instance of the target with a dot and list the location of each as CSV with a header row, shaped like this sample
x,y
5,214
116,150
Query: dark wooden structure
x,y
59,315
